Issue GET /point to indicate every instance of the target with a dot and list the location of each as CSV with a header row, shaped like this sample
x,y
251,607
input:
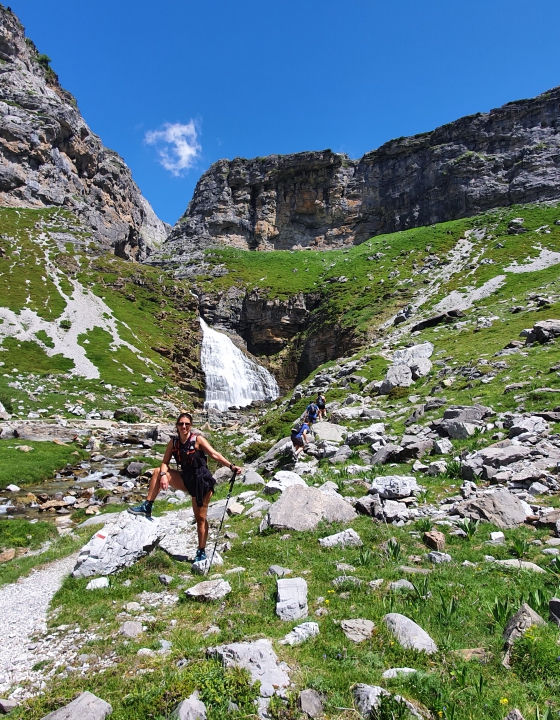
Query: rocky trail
x,y
23,609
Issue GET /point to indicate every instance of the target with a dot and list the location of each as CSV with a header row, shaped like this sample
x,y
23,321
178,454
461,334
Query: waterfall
x,y
232,379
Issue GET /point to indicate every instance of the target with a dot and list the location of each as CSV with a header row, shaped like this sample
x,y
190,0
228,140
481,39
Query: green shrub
x,y
44,61
255,450
129,418
535,655
65,324
397,393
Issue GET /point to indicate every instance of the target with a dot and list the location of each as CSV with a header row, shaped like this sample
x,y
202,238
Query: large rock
x,y
252,478
330,432
411,355
209,590
373,433
544,331
368,697
517,626
346,538
283,479
409,634
311,703
397,376
258,658
533,425
393,487
341,455
117,545
86,706
190,709
292,599
302,508
283,448
501,508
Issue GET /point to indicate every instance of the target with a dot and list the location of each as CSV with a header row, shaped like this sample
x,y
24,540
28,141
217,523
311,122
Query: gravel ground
x,y
23,609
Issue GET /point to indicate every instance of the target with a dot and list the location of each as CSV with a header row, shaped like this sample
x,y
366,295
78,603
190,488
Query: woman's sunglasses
x,y
186,424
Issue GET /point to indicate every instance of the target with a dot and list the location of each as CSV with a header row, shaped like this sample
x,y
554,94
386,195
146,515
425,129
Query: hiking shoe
x,y
200,555
144,509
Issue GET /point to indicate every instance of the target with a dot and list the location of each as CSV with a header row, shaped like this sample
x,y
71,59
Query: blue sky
x,y
175,85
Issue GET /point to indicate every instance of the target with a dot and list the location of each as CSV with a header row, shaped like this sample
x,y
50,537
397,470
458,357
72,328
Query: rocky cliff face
x,y
324,199
49,156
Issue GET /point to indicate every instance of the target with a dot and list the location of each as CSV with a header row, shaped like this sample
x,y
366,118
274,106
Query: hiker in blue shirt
x,y
312,410
299,438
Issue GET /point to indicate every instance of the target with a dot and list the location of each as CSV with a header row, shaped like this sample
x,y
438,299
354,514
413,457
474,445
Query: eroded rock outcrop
x,y
50,157
324,199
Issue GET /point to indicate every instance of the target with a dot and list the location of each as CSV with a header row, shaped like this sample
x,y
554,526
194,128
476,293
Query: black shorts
x,y
321,407
190,482
298,442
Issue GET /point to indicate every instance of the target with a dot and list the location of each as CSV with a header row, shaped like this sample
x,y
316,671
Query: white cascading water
x,y
232,379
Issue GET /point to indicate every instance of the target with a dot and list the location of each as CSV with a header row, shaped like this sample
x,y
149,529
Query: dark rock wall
x,y
324,199
49,156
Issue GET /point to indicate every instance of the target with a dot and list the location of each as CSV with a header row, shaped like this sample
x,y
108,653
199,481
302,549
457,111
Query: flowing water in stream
x,y
232,379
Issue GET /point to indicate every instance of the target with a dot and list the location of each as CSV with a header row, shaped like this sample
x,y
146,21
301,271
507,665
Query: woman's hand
x,y
163,481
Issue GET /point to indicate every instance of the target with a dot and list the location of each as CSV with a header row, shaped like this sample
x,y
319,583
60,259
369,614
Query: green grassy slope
x,y
48,257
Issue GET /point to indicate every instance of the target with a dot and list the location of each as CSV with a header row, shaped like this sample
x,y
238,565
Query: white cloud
x,y
176,145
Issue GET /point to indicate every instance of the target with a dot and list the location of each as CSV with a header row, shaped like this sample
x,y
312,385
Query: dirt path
x,y
23,609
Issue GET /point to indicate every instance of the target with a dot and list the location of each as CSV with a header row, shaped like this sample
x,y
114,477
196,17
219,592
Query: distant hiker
x,y
189,449
299,438
312,411
322,405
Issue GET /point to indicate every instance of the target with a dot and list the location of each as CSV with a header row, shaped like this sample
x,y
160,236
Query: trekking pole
x,y
231,484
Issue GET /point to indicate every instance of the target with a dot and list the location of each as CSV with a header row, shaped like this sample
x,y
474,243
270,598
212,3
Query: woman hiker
x,y
189,449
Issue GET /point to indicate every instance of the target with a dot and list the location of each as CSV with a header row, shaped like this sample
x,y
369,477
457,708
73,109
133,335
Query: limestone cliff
x,y
49,156
324,199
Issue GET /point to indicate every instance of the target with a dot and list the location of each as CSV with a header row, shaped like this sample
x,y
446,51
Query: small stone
x,y
537,488
98,583
235,508
7,555
395,672
357,630
190,709
409,634
278,570
6,706
550,551
311,703
514,714
497,537
146,652
301,633
439,557
13,488
165,579
402,584
292,599
209,590
434,539
85,706
346,538
131,629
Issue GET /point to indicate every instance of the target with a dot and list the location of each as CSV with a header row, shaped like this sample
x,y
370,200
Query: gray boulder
x,y
190,709
292,599
117,545
128,411
501,508
252,478
514,714
368,697
393,487
411,355
258,658
357,630
330,432
517,626
86,706
303,507
301,633
397,376
371,434
544,331
409,634
533,425
346,538
283,479
311,703
341,455
209,590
